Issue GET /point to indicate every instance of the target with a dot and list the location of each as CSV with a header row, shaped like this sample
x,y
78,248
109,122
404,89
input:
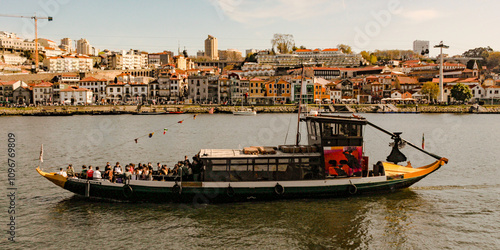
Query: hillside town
x,y
81,74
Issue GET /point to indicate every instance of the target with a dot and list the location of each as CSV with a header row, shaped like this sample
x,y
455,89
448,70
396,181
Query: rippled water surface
x,y
458,207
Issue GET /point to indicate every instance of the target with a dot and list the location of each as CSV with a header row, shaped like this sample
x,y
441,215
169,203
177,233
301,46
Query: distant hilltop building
x,y
230,55
421,47
66,44
211,48
250,51
83,47
331,57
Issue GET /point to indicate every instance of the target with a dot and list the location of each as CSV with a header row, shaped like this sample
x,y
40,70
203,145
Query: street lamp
x,y
441,46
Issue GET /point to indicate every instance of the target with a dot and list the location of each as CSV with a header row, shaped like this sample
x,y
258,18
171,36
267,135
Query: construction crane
x,y
34,17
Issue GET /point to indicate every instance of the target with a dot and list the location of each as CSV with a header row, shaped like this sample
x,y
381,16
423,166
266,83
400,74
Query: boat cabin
x,y
333,142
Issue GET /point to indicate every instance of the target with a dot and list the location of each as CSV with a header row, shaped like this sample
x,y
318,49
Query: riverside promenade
x,y
200,109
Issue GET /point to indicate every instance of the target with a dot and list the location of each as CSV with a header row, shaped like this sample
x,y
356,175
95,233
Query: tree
x,y
365,54
283,43
185,53
493,61
478,52
373,59
430,89
251,57
346,49
395,54
461,92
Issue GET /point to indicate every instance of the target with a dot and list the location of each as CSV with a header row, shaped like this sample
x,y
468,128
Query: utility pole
x,y
441,94
35,17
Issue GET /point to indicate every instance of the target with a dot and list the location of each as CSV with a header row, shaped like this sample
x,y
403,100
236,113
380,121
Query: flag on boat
x,y
165,130
423,141
41,153
151,134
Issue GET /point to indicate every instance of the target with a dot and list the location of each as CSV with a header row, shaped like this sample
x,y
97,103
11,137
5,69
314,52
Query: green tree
x,y
366,55
478,52
346,49
373,59
461,92
283,43
493,61
430,89
251,57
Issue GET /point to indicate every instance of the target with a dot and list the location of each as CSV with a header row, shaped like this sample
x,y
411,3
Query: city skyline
x,y
154,26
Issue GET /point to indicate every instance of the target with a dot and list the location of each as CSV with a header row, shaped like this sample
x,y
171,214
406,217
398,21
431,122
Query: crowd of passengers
x,y
185,170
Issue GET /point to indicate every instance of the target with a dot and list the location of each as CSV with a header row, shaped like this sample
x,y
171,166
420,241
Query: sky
x,y
157,25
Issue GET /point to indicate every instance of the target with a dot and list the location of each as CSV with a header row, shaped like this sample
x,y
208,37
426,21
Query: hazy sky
x,y
155,25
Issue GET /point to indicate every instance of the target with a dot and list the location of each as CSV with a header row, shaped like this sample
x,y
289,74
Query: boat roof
x,y
237,153
337,119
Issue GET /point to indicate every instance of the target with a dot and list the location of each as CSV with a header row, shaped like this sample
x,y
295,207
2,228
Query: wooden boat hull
x,y
206,192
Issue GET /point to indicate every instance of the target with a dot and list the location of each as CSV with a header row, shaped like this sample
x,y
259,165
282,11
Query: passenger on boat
x,y
97,174
197,167
158,166
90,173
62,172
127,175
378,169
117,169
69,171
108,173
83,174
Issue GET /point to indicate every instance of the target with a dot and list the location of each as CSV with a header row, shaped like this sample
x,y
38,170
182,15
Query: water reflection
x,y
357,222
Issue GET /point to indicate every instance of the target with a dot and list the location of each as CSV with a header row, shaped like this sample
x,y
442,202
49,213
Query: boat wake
x,y
447,187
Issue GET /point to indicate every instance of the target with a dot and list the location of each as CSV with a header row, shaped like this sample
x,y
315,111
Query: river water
x,y
457,207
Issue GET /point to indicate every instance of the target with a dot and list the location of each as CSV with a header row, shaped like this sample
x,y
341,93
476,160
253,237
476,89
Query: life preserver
x,y
352,189
176,189
278,189
230,191
127,191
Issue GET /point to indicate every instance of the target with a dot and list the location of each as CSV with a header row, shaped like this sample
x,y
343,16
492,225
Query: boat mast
x,y
297,140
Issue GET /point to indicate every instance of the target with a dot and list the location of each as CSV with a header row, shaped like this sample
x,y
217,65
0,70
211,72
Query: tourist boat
x,y
245,112
332,164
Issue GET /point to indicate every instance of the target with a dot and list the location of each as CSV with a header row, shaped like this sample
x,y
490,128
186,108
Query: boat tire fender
x,y
176,189
352,189
230,191
279,189
127,191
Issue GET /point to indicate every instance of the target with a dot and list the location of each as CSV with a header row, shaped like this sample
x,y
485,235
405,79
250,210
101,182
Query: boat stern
x,y
59,180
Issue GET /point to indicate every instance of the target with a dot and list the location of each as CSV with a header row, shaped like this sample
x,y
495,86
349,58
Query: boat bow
x,y
53,177
393,170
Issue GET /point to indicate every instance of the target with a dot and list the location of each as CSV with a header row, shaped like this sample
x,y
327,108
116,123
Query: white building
x,y
492,92
127,92
97,86
13,59
71,63
67,45
128,60
83,47
76,96
43,93
47,43
11,42
477,92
